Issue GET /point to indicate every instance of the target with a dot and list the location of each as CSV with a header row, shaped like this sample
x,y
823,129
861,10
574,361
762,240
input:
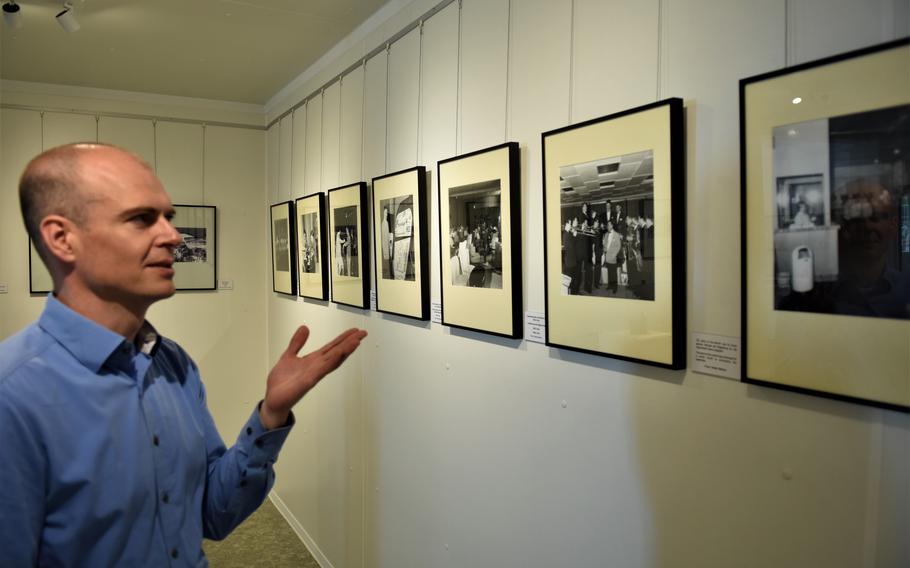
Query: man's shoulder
x,y
17,351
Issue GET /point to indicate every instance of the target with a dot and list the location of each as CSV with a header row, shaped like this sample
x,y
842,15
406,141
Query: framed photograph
x,y
312,262
826,227
400,243
195,258
349,257
284,265
39,279
614,232
480,240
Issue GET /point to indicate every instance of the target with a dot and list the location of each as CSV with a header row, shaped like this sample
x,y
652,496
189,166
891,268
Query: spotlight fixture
x,y
12,14
66,19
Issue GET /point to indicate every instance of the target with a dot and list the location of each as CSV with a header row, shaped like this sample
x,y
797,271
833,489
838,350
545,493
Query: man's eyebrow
x,y
126,214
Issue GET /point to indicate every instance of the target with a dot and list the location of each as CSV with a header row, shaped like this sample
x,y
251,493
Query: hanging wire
x,y
458,100
571,60
660,35
203,160
291,174
321,138
340,125
419,94
388,51
155,144
508,119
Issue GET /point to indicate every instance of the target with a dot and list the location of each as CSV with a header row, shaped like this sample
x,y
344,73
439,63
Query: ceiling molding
x,y
129,96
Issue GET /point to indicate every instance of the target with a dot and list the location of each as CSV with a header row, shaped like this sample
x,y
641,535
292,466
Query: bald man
x,y
108,452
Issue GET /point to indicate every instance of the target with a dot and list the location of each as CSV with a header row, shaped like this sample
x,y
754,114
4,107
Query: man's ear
x,y
57,232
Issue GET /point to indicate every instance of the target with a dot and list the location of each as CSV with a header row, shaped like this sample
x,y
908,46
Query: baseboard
x,y
308,542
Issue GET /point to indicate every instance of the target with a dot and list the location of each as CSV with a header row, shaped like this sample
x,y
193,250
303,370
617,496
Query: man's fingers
x,y
338,340
298,340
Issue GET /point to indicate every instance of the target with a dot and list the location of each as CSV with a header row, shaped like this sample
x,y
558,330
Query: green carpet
x,y
264,539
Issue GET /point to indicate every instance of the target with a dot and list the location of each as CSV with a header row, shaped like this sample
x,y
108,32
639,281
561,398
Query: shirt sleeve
x,y
24,470
238,479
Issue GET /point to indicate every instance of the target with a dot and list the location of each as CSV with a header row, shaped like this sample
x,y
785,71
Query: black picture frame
x,y
634,159
481,287
312,258
825,239
196,258
350,282
401,257
284,261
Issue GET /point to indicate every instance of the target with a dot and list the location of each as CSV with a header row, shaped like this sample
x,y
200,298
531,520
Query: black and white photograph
x,y
284,249
397,238
195,255
842,214
282,246
309,242
345,242
607,219
475,235
192,247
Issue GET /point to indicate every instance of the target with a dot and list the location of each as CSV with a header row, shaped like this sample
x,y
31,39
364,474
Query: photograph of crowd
x,y
282,249
193,247
309,245
346,253
397,238
842,214
475,238
607,224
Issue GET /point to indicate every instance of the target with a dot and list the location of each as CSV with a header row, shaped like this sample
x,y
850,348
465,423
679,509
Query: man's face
x,y
125,247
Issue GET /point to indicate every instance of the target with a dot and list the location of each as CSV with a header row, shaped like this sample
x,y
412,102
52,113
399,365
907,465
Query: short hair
x,y
50,185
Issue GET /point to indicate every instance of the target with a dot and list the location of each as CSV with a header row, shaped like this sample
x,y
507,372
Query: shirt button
x,y
243,483
165,497
155,440
249,431
174,553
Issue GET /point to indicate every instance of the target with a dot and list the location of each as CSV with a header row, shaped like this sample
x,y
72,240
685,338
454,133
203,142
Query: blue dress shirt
x,y
109,454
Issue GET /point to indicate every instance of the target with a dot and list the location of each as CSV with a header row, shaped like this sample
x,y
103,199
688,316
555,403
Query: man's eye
x,y
143,219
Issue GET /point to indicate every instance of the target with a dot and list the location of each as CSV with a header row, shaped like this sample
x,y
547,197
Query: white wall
x,y
434,447
225,330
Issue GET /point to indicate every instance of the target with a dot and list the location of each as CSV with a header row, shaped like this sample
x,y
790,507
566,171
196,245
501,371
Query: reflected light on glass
x,y
797,100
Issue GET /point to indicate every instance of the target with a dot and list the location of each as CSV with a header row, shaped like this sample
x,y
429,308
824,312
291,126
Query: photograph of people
x,y
607,224
346,252
309,245
842,186
475,237
282,250
397,238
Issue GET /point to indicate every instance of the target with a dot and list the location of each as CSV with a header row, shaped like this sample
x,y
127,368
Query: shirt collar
x,y
89,342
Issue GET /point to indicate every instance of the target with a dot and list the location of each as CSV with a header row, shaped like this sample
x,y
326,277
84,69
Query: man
x,y
110,456
612,242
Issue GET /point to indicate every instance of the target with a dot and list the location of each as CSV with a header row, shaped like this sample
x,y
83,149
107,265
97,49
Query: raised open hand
x,y
293,376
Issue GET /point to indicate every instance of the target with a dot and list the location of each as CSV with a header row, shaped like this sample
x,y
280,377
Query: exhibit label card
x,y
436,311
535,327
716,355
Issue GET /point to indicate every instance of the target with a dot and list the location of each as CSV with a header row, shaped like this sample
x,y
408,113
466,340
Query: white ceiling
x,y
233,50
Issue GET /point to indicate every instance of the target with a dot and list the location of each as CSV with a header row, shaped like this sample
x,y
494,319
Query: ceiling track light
x,y
66,19
12,15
